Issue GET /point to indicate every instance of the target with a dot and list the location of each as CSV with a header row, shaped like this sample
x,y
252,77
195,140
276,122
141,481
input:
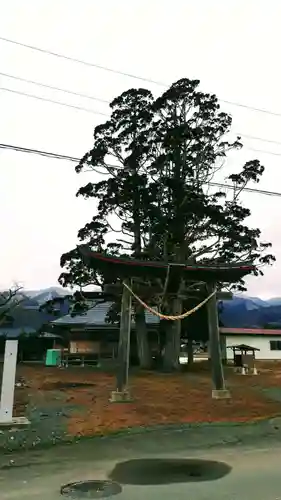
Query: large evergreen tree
x,y
160,156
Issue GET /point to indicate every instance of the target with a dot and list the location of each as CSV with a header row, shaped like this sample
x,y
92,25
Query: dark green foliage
x,y
158,157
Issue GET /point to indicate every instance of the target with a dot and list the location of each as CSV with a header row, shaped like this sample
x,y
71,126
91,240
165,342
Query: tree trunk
x,y
144,352
173,339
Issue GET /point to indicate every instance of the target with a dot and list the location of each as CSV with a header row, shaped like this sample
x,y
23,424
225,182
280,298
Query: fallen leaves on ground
x,y
157,398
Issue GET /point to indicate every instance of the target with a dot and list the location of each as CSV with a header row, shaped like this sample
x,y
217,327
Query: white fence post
x,y
8,385
8,381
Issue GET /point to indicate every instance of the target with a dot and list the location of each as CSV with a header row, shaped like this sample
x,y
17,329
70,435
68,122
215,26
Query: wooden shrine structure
x,y
125,269
244,358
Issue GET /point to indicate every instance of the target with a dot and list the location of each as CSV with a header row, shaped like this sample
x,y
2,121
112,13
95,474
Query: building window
x,y
275,345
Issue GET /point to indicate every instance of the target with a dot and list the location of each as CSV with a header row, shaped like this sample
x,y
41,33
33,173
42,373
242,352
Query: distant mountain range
x,y
251,312
28,316
241,311
39,297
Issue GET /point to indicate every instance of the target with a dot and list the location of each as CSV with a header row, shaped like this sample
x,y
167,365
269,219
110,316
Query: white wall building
x,y
267,341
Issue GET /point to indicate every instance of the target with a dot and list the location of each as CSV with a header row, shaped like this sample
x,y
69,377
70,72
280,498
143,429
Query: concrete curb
x,y
178,427
222,433
266,426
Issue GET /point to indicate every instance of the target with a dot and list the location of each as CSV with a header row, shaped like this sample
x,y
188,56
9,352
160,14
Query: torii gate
x,y
210,275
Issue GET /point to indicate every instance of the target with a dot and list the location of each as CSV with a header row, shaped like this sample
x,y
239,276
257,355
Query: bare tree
x,y
9,300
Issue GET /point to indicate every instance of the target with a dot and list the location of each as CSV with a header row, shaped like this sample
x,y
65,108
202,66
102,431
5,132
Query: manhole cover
x,y
91,489
167,471
275,423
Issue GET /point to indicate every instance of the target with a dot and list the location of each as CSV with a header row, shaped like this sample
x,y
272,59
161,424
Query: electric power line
x,y
88,110
122,73
88,96
39,152
77,160
66,91
257,138
80,61
251,108
33,96
104,101
92,111
263,151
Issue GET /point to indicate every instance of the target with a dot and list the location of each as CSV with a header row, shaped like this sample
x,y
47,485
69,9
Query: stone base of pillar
x,y
14,423
220,394
120,397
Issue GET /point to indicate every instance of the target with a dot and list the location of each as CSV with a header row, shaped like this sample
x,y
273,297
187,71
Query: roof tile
x,y
96,316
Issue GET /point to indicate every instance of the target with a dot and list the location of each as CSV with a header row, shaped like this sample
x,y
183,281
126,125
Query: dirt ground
x,y
79,398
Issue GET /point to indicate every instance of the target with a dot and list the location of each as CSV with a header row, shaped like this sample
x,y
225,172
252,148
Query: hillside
x,y
240,312
42,296
27,315
252,312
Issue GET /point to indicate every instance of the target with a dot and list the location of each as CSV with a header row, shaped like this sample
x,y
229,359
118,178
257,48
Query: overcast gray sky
x,y
232,46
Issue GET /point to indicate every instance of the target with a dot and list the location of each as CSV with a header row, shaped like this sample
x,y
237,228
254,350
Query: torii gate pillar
x,y
219,390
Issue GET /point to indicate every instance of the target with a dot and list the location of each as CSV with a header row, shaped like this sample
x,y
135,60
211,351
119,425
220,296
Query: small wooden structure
x,y
244,358
81,352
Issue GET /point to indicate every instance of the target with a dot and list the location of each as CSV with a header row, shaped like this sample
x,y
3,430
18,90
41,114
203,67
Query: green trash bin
x,y
53,357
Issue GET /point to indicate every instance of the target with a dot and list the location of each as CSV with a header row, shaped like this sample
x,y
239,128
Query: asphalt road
x,y
161,469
